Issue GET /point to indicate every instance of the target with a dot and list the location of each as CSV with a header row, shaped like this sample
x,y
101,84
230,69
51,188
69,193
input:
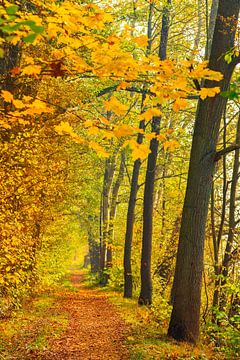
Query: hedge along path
x,y
95,329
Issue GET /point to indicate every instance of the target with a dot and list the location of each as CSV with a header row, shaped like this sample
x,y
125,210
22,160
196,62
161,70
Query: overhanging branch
x,y
225,151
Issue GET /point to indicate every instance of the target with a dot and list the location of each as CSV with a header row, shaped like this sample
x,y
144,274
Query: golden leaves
x,y
116,106
150,113
179,104
139,151
7,96
32,70
208,92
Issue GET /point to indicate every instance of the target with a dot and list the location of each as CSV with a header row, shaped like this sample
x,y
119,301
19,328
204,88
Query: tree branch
x,y
225,151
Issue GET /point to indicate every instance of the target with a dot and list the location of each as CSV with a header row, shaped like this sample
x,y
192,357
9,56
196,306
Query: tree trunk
x,y
210,25
128,282
145,297
113,208
231,223
184,323
107,183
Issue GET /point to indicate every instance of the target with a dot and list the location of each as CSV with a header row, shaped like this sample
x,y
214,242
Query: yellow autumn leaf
x,y
150,113
161,137
93,130
7,96
150,136
18,104
123,130
179,104
116,106
171,145
98,148
208,92
32,70
139,151
141,40
64,128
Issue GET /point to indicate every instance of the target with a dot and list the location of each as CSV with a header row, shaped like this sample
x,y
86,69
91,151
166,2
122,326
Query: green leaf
x,y
1,53
11,10
30,38
10,29
35,28
228,58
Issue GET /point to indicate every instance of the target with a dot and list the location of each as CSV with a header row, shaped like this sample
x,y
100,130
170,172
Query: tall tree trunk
x,y
231,222
94,246
128,281
210,24
145,297
113,208
107,183
218,237
184,323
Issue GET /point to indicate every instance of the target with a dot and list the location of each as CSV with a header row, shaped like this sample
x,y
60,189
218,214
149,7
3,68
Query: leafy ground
x,y
66,323
74,321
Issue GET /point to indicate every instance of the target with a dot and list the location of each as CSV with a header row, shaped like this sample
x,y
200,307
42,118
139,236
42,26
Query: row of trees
x,y
97,119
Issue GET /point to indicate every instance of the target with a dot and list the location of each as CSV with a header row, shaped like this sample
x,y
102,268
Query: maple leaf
x,y
171,145
150,113
116,106
141,40
99,149
32,70
208,92
179,104
123,130
64,128
139,151
7,96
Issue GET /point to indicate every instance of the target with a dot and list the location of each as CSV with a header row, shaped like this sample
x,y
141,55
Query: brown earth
x,y
95,329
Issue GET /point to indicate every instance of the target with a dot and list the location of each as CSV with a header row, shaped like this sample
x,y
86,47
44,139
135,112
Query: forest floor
x,y
68,323
74,321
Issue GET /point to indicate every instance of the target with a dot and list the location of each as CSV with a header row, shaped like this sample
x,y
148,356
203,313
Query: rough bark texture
x,y
210,25
113,208
145,297
128,281
231,222
184,323
107,183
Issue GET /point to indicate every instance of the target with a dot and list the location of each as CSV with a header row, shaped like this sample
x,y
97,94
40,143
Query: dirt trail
x,y
95,329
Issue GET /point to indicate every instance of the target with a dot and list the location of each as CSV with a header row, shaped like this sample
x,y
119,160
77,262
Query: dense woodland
x,y
120,143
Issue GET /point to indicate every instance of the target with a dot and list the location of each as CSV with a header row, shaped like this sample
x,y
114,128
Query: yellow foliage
x,y
139,151
179,104
7,96
116,106
150,113
208,92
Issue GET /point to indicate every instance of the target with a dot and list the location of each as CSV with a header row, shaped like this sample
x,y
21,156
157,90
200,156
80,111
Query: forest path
x,y
95,330
71,322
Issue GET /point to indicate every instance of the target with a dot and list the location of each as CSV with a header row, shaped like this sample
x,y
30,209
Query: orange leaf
x,y
7,96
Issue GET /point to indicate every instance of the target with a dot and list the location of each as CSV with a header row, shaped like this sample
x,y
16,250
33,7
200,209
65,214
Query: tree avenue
x,y
119,126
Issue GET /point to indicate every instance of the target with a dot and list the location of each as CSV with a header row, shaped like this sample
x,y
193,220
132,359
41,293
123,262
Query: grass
x,y
29,331
148,340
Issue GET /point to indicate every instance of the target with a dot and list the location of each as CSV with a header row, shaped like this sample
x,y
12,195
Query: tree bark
x,y
113,208
145,297
231,222
128,281
107,183
184,323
